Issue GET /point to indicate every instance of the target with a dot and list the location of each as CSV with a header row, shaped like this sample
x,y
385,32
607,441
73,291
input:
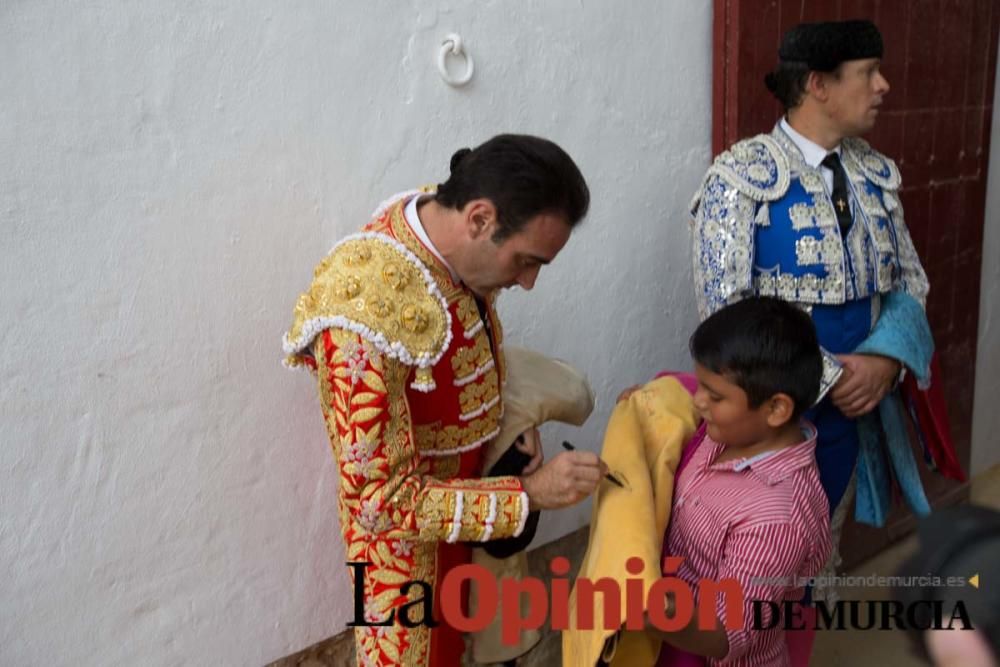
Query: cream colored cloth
x,y
538,389
642,446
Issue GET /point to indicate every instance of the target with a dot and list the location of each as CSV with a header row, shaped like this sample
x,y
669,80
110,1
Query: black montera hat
x,y
823,46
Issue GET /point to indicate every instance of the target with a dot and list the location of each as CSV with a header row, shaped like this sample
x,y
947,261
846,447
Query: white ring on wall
x,y
453,44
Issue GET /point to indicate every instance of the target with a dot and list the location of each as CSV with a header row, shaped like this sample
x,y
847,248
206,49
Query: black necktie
x,y
840,202
485,317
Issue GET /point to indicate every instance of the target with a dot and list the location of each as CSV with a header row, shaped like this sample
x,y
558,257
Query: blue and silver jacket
x,y
764,224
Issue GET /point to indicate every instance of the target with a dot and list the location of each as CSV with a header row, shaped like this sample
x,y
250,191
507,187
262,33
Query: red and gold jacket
x,y
411,391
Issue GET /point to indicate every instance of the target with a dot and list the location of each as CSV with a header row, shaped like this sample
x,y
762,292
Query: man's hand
x,y
866,379
530,443
565,480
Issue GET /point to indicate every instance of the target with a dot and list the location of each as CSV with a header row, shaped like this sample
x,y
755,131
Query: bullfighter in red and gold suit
x,y
400,327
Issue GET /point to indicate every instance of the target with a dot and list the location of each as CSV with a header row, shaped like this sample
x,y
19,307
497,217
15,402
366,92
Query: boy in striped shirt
x,y
749,505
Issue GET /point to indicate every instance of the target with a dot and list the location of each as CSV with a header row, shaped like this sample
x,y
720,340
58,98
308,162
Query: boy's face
x,y
728,416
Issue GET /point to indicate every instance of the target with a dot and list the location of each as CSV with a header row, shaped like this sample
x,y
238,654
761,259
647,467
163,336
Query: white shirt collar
x,y
811,151
413,220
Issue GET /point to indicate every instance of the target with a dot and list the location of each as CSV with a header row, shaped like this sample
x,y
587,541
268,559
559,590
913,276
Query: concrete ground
x,y
887,649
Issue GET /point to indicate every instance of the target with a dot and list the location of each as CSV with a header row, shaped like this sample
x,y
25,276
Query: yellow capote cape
x,y
538,389
642,446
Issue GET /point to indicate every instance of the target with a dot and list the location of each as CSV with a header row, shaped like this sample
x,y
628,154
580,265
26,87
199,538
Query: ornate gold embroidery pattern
x,y
369,285
435,440
476,374
397,557
464,515
444,467
382,470
495,514
493,509
467,358
425,562
478,397
462,300
355,412
436,513
468,314
394,644
395,221
478,508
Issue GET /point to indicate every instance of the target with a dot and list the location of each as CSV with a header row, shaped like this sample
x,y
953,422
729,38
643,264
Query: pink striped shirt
x,y
750,519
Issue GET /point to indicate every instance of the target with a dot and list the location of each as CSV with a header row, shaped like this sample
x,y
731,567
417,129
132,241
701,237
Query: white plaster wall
x,y
171,172
985,416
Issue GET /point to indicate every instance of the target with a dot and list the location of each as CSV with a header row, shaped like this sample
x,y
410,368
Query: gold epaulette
x,y
374,286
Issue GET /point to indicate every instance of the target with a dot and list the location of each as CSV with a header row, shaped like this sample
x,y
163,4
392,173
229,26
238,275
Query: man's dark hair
x,y
523,176
765,346
788,83
819,47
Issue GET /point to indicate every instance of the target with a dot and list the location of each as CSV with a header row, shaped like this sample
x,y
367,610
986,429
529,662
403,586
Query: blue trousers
x,y
840,330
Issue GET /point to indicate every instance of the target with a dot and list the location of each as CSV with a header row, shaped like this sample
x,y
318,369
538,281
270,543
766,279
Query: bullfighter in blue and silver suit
x,y
774,217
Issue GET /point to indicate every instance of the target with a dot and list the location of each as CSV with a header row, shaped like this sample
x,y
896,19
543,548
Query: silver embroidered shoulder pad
x,y
879,169
756,167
